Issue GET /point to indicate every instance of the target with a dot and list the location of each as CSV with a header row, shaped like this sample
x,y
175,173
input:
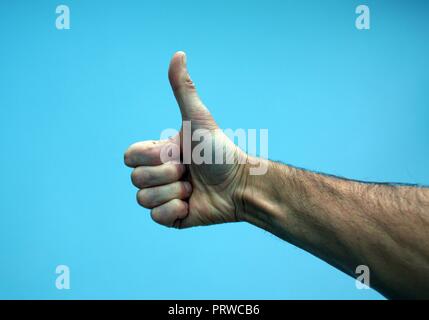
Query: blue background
x,y
335,99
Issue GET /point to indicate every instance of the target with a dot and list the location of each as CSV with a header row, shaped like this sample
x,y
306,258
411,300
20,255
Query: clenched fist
x,y
189,193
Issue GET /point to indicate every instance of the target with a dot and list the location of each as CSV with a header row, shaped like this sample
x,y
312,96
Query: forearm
x,y
347,224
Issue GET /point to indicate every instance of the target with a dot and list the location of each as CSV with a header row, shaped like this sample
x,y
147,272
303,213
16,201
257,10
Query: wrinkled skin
x,y
194,194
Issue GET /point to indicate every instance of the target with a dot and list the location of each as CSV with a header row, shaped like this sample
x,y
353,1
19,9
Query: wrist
x,y
263,198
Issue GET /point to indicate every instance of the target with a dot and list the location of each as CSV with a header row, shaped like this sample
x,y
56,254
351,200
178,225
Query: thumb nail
x,y
184,59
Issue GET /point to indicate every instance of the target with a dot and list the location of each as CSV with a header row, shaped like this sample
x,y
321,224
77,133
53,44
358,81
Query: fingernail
x,y
184,58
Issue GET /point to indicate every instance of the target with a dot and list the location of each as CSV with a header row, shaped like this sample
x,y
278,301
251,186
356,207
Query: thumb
x,y
184,90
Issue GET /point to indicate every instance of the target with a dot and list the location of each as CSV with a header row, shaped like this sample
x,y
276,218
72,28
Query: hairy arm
x,y
347,223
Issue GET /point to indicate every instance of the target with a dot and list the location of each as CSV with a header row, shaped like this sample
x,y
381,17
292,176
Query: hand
x,y
185,195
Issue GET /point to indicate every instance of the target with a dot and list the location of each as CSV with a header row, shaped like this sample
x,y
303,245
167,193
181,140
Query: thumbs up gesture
x,y
202,183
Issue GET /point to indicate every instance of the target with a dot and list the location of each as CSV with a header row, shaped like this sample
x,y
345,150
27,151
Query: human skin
x,y
346,223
